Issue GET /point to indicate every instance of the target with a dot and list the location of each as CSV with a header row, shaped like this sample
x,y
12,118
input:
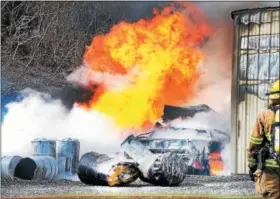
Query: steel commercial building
x,y
255,66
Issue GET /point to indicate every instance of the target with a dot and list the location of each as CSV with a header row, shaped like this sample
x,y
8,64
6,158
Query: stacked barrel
x,y
67,156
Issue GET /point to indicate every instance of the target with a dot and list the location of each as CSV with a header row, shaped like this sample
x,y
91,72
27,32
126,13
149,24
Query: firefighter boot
x,y
268,183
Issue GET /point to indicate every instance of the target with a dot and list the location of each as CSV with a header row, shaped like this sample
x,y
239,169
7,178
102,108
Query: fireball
x,y
139,67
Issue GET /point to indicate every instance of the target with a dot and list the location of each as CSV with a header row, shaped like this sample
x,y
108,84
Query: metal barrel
x,y
43,147
8,165
100,169
67,156
87,169
36,168
167,169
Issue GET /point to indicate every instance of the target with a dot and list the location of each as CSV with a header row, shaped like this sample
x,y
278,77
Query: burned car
x,y
194,145
200,147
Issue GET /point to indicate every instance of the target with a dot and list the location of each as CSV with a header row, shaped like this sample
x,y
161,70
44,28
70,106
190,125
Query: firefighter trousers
x,y
268,183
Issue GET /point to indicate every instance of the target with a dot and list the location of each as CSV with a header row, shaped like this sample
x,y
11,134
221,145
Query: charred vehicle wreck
x,y
161,157
195,146
200,144
137,161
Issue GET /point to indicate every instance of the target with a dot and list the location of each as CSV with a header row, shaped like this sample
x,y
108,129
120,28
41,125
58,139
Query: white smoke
x,y
37,115
203,120
214,89
221,11
85,76
226,157
215,86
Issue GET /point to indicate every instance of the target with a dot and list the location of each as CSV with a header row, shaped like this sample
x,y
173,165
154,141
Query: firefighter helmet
x,y
274,91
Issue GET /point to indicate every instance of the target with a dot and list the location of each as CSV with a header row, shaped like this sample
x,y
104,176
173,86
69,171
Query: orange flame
x,y
215,163
159,57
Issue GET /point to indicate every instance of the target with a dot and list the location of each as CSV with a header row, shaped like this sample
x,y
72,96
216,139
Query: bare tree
x,y
42,41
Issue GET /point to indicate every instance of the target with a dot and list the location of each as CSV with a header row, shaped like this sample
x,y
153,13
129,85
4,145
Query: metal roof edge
x,y
233,13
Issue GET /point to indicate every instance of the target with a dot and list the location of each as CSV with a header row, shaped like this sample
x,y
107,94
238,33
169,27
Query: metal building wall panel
x,y
275,27
243,31
241,142
234,97
256,62
276,15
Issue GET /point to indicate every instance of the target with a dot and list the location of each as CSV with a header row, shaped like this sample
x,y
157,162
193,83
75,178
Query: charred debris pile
x,y
161,157
174,112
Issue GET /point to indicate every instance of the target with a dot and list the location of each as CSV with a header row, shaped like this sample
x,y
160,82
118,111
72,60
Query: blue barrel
x,y
8,165
43,147
67,156
36,168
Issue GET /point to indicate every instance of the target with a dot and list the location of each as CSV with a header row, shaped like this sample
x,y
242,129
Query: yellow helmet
x,y
274,91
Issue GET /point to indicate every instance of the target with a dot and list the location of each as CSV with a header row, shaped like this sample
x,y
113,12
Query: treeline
x,y
41,42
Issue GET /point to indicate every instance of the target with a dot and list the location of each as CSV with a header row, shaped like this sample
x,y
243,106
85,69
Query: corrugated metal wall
x,y
256,66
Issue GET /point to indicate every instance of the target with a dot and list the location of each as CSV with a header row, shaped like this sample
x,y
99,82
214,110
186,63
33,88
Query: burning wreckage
x,y
165,155
161,157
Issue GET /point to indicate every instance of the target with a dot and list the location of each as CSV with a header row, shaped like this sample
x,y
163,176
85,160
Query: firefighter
x,y
263,151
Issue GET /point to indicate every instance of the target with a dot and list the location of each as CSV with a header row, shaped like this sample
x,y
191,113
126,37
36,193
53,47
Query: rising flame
x,y
215,163
158,57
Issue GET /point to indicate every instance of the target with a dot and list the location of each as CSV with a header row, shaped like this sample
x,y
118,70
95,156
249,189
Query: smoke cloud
x,y
38,115
71,95
86,77
215,84
214,88
204,120
226,157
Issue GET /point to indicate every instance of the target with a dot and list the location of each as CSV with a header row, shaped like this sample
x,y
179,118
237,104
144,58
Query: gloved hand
x,y
251,172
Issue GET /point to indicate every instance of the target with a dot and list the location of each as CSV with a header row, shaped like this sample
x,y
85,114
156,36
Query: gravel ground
x,y
235,185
